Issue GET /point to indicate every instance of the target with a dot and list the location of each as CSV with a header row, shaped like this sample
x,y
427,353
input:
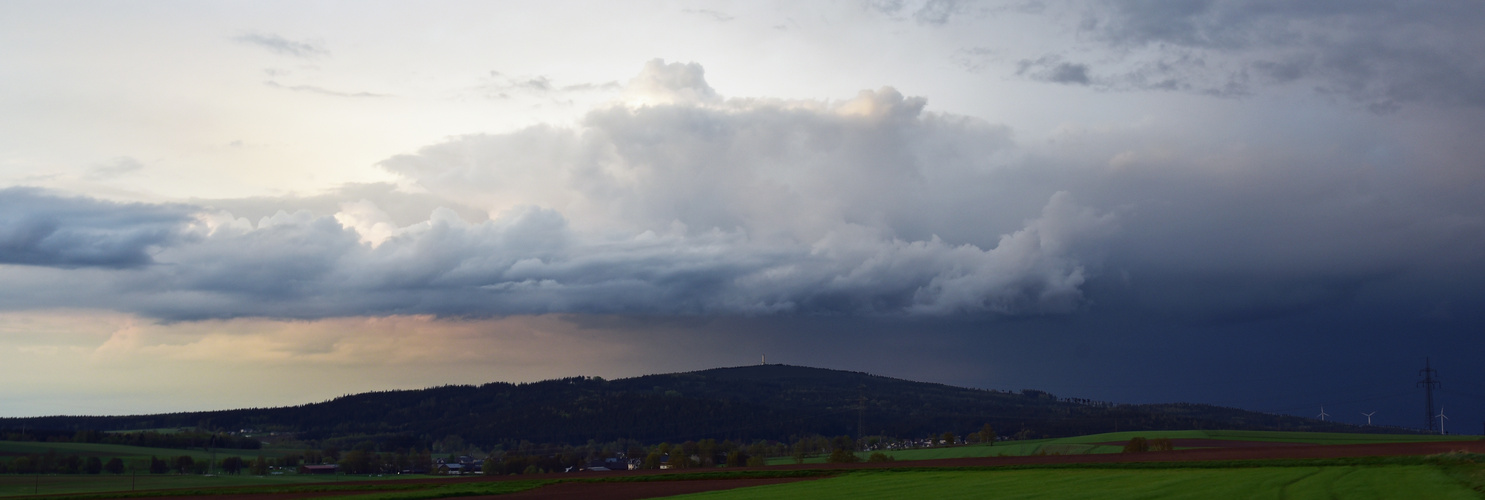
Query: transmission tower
x,y
861,417
1429,383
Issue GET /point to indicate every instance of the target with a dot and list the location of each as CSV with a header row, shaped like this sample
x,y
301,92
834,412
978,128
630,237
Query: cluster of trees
x,y
186,464
152,439
365,458
186,439
1140,445
709,453
53,463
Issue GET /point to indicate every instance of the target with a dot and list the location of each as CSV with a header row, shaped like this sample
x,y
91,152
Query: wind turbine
x,y
1322,414
1368,417
1442,418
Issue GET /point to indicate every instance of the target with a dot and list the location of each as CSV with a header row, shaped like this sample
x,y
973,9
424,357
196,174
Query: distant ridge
x,y
740,403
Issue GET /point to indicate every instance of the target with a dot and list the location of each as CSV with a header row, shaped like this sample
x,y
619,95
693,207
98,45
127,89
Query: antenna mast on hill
x,y
1369,418
1429,383
1322,414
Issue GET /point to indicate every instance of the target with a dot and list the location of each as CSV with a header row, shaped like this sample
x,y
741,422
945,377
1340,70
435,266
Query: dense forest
x,y
767,402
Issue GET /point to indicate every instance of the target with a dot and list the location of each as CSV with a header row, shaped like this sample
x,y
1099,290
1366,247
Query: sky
x,y
1269,205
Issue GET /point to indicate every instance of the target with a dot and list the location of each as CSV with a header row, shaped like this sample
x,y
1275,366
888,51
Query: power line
x,y
861,414
1429,383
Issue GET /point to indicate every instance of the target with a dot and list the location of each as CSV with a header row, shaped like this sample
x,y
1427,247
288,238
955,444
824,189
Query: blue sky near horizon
x,y
1272,206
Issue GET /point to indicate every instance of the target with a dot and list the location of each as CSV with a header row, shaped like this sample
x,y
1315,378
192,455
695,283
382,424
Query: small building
x,y
319,469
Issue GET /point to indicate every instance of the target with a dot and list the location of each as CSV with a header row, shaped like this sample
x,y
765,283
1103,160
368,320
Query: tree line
x,y
52,462
150,439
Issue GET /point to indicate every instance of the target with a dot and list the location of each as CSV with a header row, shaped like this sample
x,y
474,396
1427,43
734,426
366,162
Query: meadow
x,y
1361,482
1096,443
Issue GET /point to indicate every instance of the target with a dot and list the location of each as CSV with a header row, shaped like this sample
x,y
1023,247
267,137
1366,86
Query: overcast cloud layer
x,y
1215,182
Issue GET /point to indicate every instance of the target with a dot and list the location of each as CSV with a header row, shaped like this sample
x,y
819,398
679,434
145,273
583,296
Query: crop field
x,y
1397,481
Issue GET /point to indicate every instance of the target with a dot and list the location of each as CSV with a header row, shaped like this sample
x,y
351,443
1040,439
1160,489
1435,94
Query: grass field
x,y
1395,481
1269,436
1082,445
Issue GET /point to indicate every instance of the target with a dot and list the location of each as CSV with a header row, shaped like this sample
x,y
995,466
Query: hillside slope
x,y
749,402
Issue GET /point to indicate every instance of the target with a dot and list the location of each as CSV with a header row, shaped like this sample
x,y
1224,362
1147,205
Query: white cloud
x,y
669,84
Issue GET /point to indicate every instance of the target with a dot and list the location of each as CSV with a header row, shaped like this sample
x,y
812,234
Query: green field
x,y
1083,445
1392,481
1270,436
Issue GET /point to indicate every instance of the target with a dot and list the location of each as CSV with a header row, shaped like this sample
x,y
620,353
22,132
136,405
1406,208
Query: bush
x,y
1137,445
1161,444
840,456
879,457
756,461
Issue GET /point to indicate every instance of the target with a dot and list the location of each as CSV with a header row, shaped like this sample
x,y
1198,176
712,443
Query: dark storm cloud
x,y
40,229
1378,54
303,266
1054,69
283,46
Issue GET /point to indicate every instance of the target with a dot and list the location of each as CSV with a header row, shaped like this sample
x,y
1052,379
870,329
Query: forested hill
x,y
742,403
